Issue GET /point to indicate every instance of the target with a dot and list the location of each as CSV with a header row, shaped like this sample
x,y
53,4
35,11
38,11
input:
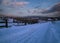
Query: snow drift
x,y
35,33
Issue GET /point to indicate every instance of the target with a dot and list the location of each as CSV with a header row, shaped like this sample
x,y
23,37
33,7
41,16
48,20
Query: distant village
x,y
18,21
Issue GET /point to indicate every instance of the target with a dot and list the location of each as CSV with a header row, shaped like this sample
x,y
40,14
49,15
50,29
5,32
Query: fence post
x,y
6,22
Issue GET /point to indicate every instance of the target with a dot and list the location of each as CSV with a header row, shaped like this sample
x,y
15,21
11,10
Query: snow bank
x,y
36,33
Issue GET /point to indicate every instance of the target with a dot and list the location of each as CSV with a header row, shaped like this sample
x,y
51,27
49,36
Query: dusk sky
x,y
26,7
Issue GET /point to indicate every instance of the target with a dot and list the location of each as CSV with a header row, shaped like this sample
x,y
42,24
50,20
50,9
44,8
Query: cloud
x,y
20,13
5,2
35,11
54,8
0,1
9,3
21,3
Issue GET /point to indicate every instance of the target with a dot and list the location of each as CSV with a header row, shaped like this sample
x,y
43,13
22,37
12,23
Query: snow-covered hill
x,y
35,33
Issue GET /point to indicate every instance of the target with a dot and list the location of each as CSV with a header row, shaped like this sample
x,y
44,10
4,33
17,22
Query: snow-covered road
x,y
36,33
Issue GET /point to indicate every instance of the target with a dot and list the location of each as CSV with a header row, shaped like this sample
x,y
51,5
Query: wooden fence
x,y
3,21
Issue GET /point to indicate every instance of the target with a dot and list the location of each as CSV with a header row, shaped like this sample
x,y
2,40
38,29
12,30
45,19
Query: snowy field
x,y
36,33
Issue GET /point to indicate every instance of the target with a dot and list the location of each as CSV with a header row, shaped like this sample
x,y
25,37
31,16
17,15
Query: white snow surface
x,y
36,33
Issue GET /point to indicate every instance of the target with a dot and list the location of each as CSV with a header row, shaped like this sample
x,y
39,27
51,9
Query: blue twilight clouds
x,y
23,6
